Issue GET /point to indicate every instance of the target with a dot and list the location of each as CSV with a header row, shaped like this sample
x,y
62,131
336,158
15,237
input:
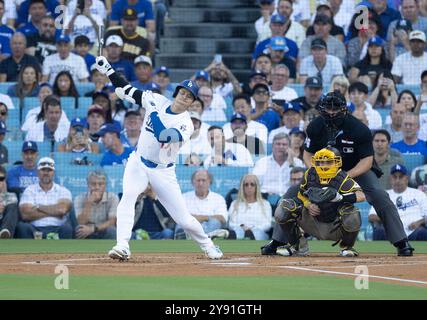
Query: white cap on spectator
x,y
143,59
417,35
46,163
114,39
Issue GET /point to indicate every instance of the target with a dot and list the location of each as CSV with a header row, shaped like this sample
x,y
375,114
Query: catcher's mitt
x,y
321,195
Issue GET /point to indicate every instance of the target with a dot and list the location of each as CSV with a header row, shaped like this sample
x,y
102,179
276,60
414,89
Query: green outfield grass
x,y
193,287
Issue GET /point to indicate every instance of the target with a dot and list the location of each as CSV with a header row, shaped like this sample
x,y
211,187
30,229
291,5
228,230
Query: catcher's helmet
x,y
189,85
327,162
333,101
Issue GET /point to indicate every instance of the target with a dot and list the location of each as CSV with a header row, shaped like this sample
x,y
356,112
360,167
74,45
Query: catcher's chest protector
x,y
328,211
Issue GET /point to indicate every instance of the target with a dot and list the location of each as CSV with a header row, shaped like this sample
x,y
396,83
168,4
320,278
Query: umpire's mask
x,y
333,109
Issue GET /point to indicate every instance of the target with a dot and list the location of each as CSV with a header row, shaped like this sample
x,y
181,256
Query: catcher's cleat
x,y
287,251
269,249
119,253
213,252
405,251
349,252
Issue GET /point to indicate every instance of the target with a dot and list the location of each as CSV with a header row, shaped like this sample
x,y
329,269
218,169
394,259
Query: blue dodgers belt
x,y
151,164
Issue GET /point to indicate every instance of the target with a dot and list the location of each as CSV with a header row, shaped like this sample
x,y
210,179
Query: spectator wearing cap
x,y
407,67
102,98
277,27
198,143
37,9
384,156
96,209
373,63
239,126
132,129
262,25
264,64
324,8
358,92
411,144
398,30
292,116
312,94
78,140
36,114
64,59
322,27
134,38
214,105
100,80
293,29
242,105
28,9
114,48
297,137
226,153
83,22
11,66
273,171
9,213
48,126
116,153
144,72
320,63
202,78
223,81
162,78
42,43
95,119
143,7
45,206
411,205
4,154
279,84
82,47
255,77
263,113
21,176
278,52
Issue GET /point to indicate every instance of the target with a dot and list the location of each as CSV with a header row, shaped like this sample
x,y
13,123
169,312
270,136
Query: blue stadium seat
x,y
413,87
12,121
4,86
29,103
84,87
14,150
384,112
364,208
67,158
269,148
73,178
413,160
298,87
68,104
216,123
115,178
84,104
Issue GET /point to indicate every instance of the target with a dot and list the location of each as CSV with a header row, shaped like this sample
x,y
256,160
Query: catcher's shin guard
x,y
349,223
288,209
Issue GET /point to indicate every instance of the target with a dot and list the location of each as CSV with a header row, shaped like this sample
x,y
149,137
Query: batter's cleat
x,y
269,249
213,252
349,252
119,253
219,233
5,234
405,251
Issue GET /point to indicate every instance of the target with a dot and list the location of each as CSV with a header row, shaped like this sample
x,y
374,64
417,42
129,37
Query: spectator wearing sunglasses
x,y
263,112
44,206
8,208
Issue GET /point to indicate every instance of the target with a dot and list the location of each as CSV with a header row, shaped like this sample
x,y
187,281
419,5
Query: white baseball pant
x,y
164,183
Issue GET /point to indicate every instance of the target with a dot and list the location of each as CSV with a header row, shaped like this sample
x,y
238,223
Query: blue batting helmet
x,y
190,85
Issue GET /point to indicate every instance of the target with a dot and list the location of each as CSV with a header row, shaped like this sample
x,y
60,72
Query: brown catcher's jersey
x,y
342,183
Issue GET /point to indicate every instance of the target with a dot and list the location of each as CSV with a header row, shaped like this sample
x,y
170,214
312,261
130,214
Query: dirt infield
x,y
385,268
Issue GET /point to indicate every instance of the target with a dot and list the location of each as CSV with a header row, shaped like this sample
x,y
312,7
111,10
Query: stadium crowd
x,y
56,103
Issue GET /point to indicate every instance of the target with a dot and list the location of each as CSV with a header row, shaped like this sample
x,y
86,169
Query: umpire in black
x,y
336,127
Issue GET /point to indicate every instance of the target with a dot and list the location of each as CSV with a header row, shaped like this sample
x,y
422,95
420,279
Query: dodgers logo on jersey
x,y
183,127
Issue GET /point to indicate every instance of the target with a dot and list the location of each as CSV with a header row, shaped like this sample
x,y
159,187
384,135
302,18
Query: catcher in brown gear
x,y
324,207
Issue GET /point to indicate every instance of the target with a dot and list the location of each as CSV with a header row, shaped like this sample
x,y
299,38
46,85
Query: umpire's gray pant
x,y
376,197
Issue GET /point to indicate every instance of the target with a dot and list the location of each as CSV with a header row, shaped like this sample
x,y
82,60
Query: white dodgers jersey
x,y
148,147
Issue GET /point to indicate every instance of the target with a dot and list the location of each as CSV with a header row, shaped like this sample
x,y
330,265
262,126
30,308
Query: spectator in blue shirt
x,y
162,78
114,47
21,176
81,47
277,26
410,143
117,153
143,7
37,11
34,8
5,31
263,113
